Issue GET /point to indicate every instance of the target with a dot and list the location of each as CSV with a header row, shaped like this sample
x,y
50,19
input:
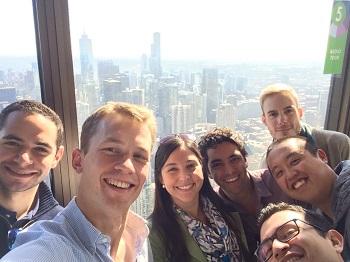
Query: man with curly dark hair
x,y
225,160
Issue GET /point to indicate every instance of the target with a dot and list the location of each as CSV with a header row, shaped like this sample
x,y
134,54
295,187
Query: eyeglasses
x,y
184,136
283,233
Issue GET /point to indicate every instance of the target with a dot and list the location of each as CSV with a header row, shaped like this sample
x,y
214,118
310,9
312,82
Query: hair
x,y
309,145
163,213
311,217
218,136
34,107
275,89
134,112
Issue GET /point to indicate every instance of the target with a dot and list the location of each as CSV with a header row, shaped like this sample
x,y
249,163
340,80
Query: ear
x,y
322,155
336,239
58,156
77,160
301,112
263,119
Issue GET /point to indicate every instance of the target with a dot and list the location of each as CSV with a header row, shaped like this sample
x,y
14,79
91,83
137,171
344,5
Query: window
x,y
19,77
200,64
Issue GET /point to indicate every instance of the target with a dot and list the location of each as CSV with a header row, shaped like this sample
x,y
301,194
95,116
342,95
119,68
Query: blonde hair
x,y
138,113
278,88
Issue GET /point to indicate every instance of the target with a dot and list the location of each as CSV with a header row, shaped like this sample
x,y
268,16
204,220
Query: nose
x,y
279,249
23,158
282,118
126,165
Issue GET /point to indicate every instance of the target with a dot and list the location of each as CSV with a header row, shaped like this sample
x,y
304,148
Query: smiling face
x,y
182,177
116,164
27,151
308,245
228,168
281,115
300,174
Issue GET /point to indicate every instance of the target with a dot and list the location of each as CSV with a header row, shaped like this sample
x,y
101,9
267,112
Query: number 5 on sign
x,y
338,34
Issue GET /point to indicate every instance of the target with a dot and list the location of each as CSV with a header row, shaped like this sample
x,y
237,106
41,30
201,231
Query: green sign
x,y
338,34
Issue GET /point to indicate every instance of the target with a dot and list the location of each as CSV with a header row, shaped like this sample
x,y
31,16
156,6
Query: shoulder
x,y
329,135
48,248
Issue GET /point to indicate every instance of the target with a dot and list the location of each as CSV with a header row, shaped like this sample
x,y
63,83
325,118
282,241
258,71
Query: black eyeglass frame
x,y
274,236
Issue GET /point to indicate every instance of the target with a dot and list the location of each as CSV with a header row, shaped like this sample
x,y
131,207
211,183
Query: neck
x,y
19,202
247,199
109,223
326,208
193,209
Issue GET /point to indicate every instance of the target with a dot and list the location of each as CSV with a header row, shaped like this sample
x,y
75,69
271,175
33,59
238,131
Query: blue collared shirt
x,y
71,237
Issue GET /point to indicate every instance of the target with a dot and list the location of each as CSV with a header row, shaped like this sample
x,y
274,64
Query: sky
x,y
228,30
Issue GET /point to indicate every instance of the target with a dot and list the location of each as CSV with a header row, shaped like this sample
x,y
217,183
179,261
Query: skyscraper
x,y
154,60
86,58
210,87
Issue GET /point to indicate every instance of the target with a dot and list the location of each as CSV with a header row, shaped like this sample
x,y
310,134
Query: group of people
x,y
208,205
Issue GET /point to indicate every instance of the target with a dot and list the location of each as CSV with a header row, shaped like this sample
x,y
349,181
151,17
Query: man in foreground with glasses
x,y
113,162
291,233
302,172
31,137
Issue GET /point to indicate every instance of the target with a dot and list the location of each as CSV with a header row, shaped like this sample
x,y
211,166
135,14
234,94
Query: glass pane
x,y
200,64
19,76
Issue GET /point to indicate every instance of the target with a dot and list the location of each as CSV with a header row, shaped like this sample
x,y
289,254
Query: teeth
x,y
231,179
299,183
185,187
118,183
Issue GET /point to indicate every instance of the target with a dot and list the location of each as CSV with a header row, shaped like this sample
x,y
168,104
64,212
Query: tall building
x,y
210,87
106,69
181,116
225,116
7,96
86,58
154,60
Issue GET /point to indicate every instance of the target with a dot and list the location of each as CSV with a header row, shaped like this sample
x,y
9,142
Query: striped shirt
x,y
71,237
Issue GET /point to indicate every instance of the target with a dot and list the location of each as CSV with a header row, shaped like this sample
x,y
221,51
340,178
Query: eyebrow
x,y
13,137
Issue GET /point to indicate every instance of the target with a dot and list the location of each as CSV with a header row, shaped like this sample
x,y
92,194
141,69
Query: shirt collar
x,y
89,235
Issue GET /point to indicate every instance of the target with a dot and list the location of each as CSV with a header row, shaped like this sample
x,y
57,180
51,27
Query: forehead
x,y
181,153
269,227
285,148
114,126
278,100
222,150
29,125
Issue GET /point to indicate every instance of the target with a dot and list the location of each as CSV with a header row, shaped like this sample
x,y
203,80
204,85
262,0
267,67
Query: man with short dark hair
x,y
224,157
302,172
30,146
291,233
97,225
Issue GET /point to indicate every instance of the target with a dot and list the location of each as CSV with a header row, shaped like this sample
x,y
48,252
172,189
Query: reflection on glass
x,y
198,65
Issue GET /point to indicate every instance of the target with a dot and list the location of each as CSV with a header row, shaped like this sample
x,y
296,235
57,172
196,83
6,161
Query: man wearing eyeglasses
x,y
30,146
290,233
302,172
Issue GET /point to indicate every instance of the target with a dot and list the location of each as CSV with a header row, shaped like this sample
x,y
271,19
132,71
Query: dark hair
x,y
163,213
312,217
309,145
218,136
33,107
